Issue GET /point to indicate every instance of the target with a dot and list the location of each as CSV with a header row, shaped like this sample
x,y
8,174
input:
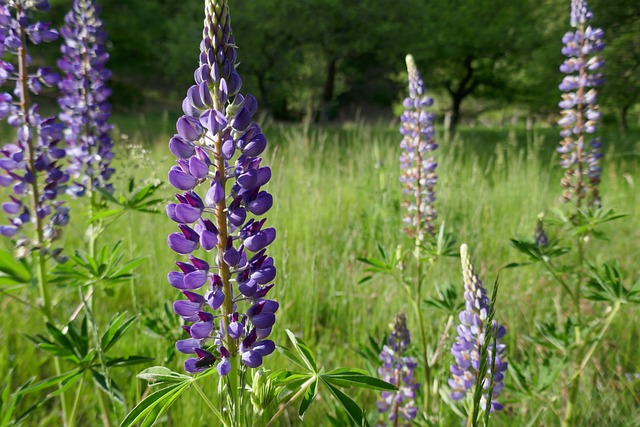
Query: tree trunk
x,y
624,124
456,102
328,92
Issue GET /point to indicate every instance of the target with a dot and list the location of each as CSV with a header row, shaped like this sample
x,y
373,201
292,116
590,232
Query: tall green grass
x,y
337,196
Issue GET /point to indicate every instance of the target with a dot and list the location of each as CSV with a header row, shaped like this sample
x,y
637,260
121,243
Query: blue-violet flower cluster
x,y
417,164
580,112
470,338
30,165
84,97
397,369
220,173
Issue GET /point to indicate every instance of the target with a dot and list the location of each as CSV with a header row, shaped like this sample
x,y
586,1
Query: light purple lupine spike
x,y
217,147
467,346
84,97
30,165
580,112
417,165
398,369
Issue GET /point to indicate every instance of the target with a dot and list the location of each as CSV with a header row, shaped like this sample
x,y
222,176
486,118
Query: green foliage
x,y
306,382
105,268
73,345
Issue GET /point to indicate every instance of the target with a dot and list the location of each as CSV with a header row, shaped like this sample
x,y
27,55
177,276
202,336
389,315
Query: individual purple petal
x,y
187,346
181,180
189,129
264,348
195,280
179,243
261,204
181,148
252,359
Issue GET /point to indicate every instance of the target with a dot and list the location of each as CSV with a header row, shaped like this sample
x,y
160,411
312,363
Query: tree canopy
x,y
315,58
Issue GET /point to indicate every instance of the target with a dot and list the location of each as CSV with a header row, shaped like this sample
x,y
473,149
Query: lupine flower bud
x,y
417,165
398,369
539,235
471,336
220,174
84,97
30,165
580,112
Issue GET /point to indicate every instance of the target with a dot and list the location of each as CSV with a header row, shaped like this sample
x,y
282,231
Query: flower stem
x,y
72,416
207,401
303,390
569,416
39,261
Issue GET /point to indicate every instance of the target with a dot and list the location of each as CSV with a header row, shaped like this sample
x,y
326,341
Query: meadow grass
x,y
337,196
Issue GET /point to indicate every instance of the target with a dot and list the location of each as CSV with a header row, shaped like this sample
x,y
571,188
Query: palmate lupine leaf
x,y
105,268
446,301
305,384
73,345
170,386
606,284
153,406
13,271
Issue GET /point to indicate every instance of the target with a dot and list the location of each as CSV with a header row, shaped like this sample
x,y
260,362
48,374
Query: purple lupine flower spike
x,y
84,98
417,165
30,165
580,112
220,174
397,369
466,349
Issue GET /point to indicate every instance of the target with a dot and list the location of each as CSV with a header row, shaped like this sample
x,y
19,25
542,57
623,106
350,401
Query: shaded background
x,y
326,60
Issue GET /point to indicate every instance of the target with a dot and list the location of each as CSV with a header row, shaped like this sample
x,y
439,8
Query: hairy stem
x,y
39,261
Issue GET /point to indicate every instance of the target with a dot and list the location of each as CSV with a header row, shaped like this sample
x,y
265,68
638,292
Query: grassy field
x,y
337,196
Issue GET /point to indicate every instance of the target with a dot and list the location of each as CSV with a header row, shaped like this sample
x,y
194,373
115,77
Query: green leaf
x,y
352,408
292,357
115,331
111,389
48,382
128,361
349,377
303,350
308,398
157,375
66,384
13,271
144,411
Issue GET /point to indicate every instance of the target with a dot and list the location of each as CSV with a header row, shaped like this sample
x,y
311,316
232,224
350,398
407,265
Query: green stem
x,y
574,382
423,331
302,391
606,326
208,402
103,410
101,357
551,269
576,301
72,416
39,262
470,417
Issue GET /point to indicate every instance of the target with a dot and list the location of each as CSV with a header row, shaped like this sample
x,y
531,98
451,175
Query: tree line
x,y
316,58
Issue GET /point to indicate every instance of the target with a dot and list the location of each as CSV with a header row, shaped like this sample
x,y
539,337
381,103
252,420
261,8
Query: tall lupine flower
x,y
417,164
398,369
580,112
30,165
470,338
84,97
218,147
